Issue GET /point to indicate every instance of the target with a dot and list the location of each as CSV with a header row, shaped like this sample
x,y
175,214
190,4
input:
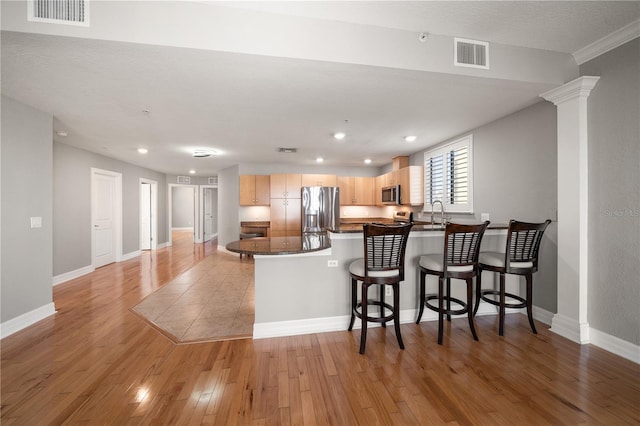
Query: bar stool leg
x,y
354,302
363,334
422,295
529,278
396,313
469,311
440,309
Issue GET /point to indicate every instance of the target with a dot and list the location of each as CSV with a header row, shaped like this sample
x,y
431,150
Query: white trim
x,y
71,275
163,245
23,321
340,323
608,42
153,213
615,345
131,255
570,328
541,315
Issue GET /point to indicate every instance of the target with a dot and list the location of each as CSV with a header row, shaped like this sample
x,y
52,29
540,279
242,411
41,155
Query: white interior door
x,y
207,214
104,219
145,216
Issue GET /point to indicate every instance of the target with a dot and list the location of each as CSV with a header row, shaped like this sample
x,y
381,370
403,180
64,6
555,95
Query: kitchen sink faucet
x,y
442,223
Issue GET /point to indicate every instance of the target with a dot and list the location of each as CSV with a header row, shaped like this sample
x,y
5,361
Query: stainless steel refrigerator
x,y
320,208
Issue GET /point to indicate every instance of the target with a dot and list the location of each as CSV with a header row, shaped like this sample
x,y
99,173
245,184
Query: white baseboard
x,y
570,328
615,345
162,245
130,256
541,315
68,276
18,323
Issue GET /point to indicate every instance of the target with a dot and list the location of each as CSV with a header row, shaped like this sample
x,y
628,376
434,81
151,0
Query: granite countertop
x,y
306,243
418,226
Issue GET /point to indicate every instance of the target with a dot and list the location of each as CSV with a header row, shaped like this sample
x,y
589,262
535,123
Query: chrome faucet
x,y
442,223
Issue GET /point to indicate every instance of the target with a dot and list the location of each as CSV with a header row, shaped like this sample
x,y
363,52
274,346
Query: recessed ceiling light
x,y
410,138
204,152
193,172
367,161
143,150
319,160
60,133
339,136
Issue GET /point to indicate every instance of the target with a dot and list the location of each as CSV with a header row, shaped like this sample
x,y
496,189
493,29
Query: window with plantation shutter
x,y
448,176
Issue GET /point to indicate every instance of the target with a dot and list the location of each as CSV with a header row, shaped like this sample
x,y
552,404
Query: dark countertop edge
x,y
416,228
281,253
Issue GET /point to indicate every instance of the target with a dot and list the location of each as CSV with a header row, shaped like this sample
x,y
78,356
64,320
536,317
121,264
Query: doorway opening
x,y
148,214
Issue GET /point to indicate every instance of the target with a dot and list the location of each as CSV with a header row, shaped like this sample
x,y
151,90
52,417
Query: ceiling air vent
x,y
213,180
471,53
69,12
288,150
184,179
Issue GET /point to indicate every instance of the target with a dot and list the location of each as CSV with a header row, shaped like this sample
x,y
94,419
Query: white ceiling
x,y
247,105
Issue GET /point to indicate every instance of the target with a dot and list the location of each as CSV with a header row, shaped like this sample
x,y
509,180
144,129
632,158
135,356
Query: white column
x,y
571,101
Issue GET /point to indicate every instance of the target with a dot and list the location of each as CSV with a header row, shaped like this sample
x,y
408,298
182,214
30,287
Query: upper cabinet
x,y
357,191
411,182
286,185
319,180
254,190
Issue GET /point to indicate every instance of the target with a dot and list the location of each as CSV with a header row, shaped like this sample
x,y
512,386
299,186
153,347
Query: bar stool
x,y
460,261
383,264
520,258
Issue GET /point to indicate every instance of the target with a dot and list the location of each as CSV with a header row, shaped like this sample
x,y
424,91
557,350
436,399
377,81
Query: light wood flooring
x,y
96,363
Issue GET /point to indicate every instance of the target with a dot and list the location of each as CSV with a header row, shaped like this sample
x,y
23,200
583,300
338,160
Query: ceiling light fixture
x,y
193,172
142,150
339,136
367,161
204,152
62,134
410,138
319,160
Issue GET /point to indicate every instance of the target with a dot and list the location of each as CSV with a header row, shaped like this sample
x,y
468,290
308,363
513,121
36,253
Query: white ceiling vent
x,y
471,53
213,180
184,179
68,12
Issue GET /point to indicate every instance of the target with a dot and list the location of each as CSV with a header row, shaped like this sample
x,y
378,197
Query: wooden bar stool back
x,y
382,265
520,258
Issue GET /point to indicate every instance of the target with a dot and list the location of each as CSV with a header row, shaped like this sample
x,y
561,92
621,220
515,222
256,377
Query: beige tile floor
x,y
214,300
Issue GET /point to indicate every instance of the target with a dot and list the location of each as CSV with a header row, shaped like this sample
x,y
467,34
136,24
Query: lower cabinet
x,y
285,217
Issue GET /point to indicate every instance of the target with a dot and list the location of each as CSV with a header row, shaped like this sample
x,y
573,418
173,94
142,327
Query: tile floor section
x,y
212,301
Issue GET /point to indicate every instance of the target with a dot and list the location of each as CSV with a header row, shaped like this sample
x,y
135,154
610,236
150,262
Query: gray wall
x,y
228,205
26,192
182,206
72,205
515,177
614,193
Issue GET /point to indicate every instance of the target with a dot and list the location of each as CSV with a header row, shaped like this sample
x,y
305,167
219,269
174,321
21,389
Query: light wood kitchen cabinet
x,y
319,180
285,217
411,184
357,190
286,185
254,190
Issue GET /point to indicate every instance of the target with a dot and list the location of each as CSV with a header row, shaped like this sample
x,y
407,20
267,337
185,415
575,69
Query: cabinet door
x,y
363,191
380,183
262,190
319,180
247,190
278,217
345,183
278,186
294,217
294,186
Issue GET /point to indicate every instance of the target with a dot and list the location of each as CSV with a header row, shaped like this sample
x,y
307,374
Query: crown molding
x,y
607,43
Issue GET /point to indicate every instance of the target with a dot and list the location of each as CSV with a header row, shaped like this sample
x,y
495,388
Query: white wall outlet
x,y
36,222
387,291
484,216
332,263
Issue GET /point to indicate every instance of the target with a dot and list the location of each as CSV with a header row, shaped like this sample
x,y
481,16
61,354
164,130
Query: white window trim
x,y
443,149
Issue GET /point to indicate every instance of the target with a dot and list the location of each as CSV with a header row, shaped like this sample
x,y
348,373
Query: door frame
x,y
154,212
117,212
170,213
201,211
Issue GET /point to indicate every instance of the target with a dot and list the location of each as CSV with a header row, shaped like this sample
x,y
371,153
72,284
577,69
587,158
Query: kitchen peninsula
x,y
300,290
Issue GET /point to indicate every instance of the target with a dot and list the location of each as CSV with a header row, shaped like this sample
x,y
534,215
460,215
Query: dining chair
x,y
519,258
383,265
459,260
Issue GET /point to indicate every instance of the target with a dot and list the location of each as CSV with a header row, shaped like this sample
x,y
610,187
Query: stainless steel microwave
x,y
391,194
